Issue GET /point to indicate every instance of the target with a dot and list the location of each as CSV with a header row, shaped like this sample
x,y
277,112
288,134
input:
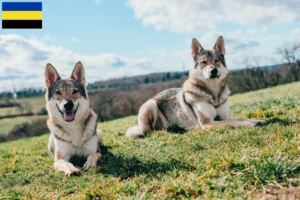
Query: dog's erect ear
x,y
78,73
51,75
196,48
220,45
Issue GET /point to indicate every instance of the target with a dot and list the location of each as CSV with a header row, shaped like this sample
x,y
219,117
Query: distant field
x,y
8,124
228,163
34,104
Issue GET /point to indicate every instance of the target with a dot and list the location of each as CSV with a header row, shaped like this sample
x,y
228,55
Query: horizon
x,y
113,38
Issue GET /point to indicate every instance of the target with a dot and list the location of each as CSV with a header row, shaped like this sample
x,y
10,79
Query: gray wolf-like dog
x,y
72,123
202,102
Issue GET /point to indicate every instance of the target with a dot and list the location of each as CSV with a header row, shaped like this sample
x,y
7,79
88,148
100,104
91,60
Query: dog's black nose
x,y
214,72
69,105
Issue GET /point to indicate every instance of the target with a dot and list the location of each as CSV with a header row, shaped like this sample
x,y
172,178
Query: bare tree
x,y
291,56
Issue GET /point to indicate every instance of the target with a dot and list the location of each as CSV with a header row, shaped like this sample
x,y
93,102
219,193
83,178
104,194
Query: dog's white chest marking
x,y
78,135
209,111
223,111
84,149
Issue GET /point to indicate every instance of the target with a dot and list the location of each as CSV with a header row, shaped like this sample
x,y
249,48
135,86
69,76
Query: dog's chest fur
x,y
180,106
75,133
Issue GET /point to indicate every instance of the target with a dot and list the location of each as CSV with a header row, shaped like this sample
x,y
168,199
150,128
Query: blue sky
x,y
115,38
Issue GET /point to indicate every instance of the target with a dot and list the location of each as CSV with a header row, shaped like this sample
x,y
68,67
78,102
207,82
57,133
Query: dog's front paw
x,y
72,171
89,164
250,124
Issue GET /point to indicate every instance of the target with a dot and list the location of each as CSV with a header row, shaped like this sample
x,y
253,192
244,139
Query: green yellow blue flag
x,y
22,15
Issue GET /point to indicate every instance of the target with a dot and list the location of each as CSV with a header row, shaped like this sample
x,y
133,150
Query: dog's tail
x,y
135,132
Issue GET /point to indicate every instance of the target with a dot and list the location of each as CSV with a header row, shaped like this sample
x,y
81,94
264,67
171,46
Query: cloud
x,y
118,63
26,67
197,15
295,35
254,45
247,45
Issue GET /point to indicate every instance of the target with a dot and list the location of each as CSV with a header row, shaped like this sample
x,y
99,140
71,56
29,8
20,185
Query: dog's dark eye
x,y
217,60
75,91
203,62
58,92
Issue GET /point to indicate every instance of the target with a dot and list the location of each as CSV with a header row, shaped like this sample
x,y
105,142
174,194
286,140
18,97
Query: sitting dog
x,y
202,102
72,123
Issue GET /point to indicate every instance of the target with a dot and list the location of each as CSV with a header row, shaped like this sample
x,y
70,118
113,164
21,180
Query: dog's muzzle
x,y
69,113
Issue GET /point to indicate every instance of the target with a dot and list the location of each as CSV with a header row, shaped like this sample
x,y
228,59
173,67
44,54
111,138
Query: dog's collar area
x,y
215,106
62,113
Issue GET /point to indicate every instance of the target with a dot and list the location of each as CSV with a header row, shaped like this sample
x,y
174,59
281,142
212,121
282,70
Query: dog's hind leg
x,y
149,118
254,121
221,124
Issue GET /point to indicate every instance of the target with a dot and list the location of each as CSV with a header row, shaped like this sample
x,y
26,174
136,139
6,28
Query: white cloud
x,y
26,67
252,44
198,15
295,35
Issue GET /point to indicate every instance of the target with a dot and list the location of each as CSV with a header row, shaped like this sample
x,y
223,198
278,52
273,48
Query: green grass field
x,y
8,124
33,104
228,163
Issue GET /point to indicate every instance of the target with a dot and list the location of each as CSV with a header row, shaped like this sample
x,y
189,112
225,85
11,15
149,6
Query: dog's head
x,y
209,64
67,99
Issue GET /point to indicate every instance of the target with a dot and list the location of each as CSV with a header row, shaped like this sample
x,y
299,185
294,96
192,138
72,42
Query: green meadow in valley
x,y
29,105
224,163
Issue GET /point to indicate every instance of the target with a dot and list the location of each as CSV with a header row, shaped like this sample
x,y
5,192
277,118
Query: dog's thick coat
x,y
72,123
202,102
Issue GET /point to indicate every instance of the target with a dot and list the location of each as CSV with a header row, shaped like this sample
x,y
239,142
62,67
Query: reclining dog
x,y
72,123
202,102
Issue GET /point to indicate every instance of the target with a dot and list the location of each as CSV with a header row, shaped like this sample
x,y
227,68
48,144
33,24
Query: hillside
x,y
121,97
224,163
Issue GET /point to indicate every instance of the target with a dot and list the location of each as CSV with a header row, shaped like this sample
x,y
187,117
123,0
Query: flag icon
x,y
22,15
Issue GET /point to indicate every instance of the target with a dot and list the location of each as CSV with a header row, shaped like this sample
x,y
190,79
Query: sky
x,y
117,38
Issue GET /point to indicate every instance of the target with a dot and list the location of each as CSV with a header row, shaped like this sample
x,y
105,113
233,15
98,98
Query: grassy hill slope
x,y
224,163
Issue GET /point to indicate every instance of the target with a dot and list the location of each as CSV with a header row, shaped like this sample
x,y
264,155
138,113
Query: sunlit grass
x,y
224,163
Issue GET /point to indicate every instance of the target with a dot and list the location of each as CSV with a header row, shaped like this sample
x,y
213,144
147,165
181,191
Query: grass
x,y
33,104
8,124
228,163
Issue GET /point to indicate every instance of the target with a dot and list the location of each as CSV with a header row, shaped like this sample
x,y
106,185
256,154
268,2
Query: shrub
x,y
35,128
